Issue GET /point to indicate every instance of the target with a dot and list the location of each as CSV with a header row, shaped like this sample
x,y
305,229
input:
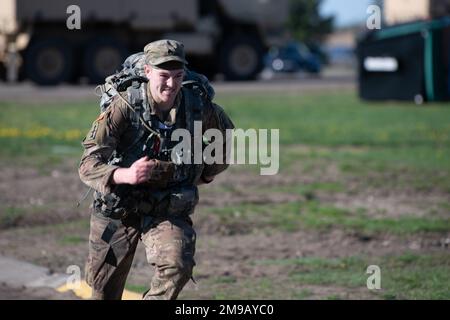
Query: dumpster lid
x,y
410,28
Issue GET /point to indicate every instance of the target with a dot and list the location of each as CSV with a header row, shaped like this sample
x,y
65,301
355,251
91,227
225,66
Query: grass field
x,y
377,175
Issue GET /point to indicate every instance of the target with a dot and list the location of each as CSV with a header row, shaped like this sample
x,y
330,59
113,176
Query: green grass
x,y
421,168
328,119
357,136
305,189
299,215
70,240
406,146
346,272
136,288
405,276
11,216
80,225
389,146
251,288
49,131
350,159
408,276
36,214
341,119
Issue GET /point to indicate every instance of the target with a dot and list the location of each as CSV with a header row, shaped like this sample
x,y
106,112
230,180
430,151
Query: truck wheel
x,y
103,57
49,61
241,58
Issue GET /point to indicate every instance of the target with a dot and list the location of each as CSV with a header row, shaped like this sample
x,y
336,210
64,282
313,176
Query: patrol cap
x,y
164,51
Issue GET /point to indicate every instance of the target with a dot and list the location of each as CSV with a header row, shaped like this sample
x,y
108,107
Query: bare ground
x,y
46,199
20,293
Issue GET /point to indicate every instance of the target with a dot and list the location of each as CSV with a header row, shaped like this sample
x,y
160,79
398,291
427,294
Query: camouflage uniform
x,y
169,239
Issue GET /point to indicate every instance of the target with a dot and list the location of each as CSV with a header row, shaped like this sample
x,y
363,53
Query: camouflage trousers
x,y
170,248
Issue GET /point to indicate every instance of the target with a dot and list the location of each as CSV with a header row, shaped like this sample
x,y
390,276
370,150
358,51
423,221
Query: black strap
x,y
110,229
138,99
193,105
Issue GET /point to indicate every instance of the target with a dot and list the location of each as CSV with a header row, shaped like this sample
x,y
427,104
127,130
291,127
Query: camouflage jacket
x,y
112,130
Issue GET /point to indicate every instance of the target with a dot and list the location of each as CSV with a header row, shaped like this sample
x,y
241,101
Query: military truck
x,y
220,36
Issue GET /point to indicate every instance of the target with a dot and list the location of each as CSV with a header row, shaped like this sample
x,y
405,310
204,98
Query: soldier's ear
x,y
147,70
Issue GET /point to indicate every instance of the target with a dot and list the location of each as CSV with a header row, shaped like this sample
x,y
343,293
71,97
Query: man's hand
x,y
138,173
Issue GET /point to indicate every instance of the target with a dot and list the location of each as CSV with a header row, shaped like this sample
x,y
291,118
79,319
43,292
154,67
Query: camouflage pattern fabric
x,y
170,249
112,244
111,131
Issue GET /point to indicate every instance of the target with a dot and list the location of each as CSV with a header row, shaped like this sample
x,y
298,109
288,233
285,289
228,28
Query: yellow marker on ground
x,y
85,292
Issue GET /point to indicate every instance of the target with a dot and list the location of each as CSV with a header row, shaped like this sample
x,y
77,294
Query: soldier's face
x,y
164,84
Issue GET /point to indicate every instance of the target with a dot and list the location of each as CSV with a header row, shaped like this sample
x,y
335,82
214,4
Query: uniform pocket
x,y
183,201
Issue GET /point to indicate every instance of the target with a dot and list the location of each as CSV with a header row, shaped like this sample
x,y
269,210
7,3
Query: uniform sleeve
x,y
99,144
215,117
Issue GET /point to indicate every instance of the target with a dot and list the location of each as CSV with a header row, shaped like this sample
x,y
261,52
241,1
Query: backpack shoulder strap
x,y
193,107
137,96
136,101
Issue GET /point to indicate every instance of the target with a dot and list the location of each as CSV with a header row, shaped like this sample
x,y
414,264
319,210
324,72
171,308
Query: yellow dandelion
x,y
73,134
38,132
9,133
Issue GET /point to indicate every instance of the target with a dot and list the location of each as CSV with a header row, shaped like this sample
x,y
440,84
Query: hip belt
x,y
177,201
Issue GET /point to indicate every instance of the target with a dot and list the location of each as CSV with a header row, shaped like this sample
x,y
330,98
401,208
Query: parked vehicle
x,y
293,57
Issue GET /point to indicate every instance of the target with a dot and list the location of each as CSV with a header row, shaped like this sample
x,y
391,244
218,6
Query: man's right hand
x,y
138,173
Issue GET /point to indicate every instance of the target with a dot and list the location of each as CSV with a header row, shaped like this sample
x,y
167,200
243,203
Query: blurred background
x,y
358,89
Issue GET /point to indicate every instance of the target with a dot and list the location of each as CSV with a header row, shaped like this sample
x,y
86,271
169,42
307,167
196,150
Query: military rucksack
x,y
133,71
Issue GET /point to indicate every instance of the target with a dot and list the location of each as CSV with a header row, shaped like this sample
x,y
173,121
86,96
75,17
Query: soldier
x,y
140,193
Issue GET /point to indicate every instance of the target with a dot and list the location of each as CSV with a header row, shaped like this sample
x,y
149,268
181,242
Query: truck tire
x,y
49,61
241,58
103,57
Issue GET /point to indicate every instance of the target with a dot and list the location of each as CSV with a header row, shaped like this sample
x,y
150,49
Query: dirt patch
x,y
30,197
235,257
242,251
41,198
51,199
53,233
11,293
243,258
396,205
355,194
